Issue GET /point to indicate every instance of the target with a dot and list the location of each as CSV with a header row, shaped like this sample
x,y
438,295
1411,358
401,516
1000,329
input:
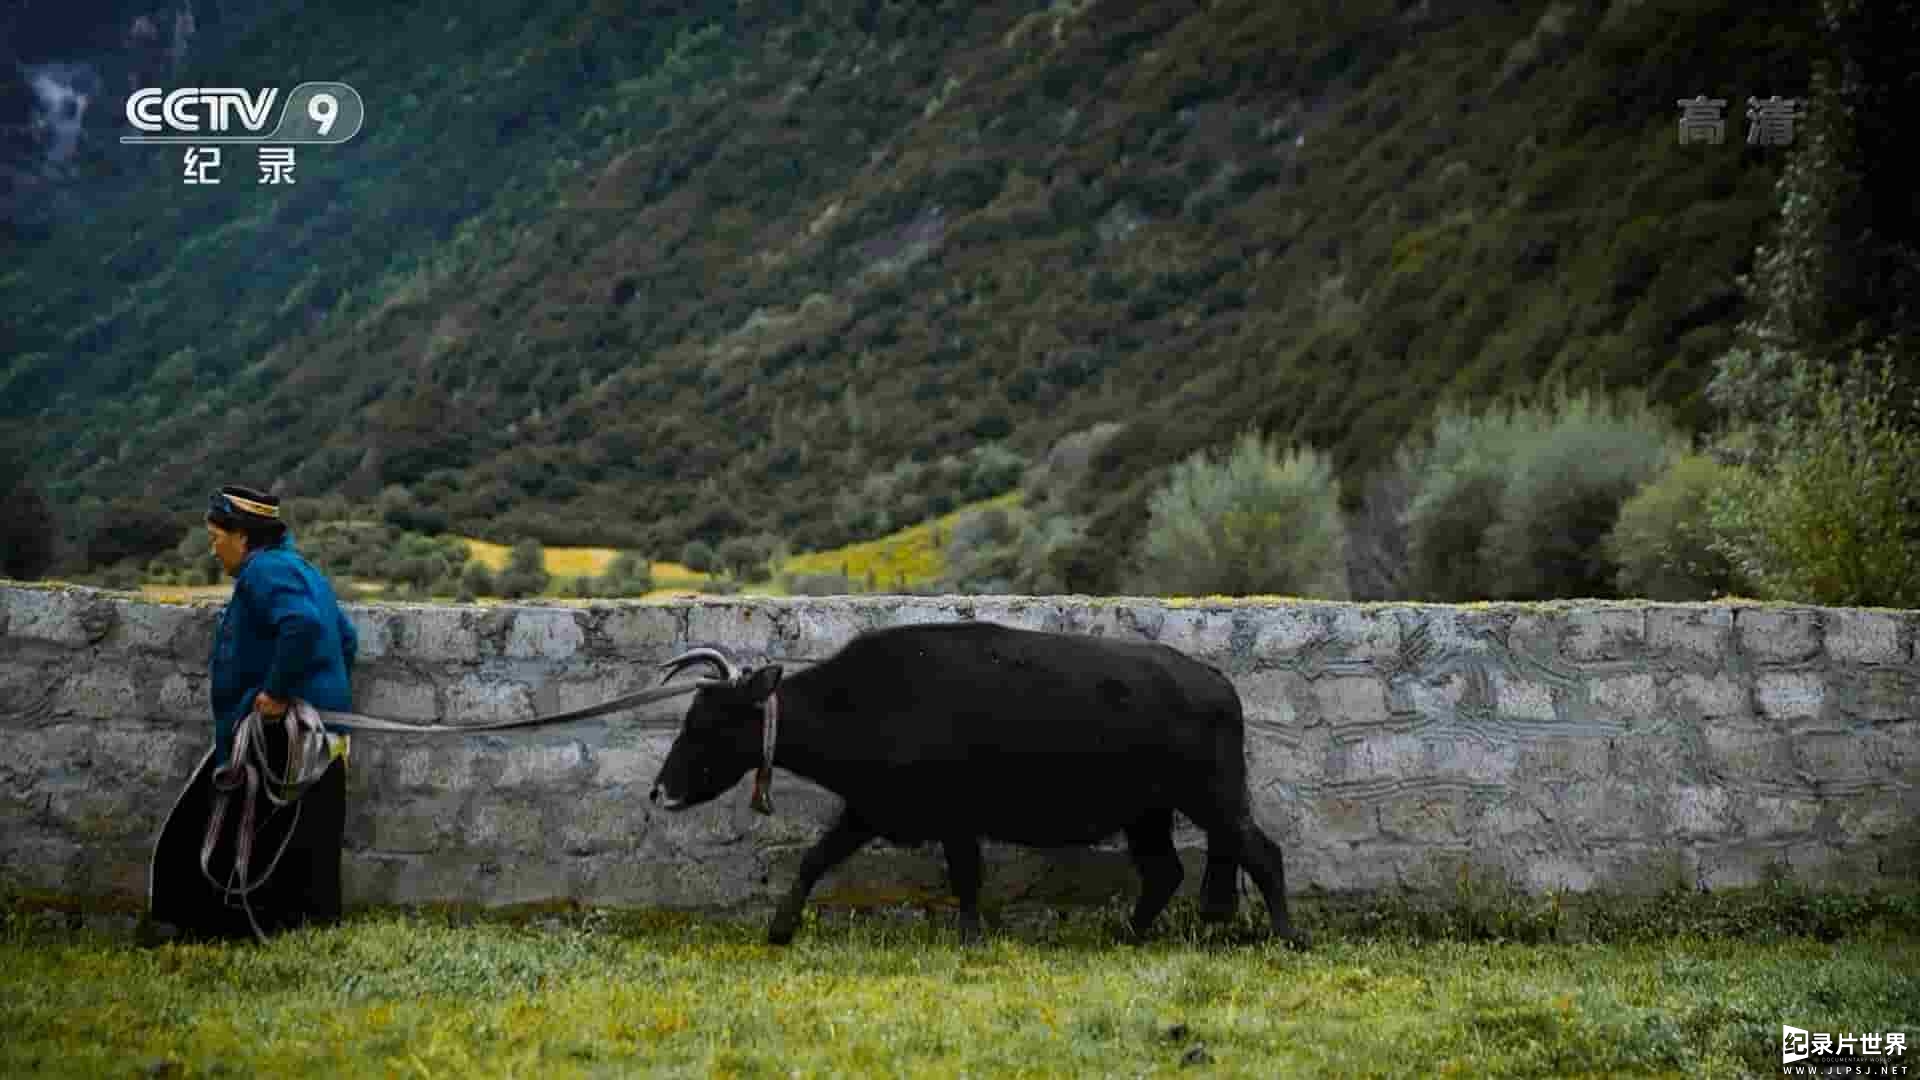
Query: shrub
x,y
1663,543
1256,522
981,554
698,556
526,572
1564,492
746,557
476,580
1515,502
1832,515
628,575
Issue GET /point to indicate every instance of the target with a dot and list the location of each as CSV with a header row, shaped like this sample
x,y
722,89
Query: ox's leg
x,y
1263,860
963,868
840,841
1150,842
1220,884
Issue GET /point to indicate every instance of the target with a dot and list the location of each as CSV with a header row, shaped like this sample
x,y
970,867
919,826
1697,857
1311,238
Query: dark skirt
x,y
304,886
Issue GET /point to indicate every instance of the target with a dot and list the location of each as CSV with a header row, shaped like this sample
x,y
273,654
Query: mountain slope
x,y
629,278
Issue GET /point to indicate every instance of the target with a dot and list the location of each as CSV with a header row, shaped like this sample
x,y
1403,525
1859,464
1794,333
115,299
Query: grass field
x,y
591,993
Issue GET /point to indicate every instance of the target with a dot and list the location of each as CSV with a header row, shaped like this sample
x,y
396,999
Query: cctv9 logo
x,y
315,112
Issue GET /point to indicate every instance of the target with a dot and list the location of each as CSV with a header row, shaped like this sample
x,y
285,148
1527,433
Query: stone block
x,y
505,826
1629,699
1692,633
1740,864
1775,817
396,695
49,615
1745,752
1351,701
1564,757
1283,632
1879,695
1424,816
1366,634
1476,761
183,697
1789,695
1463,632
1557,873
1018,612
1516,697
745,632
434,763
103,692
1606,634
1381,756
1863,637
1436,698
1611,809
557,767
1277,700
644,633
1206,634
1287,759
416,827
439,635
1709,697
1537,636
1778,635
486,697
169,630
824,628
377,629
1699,810
602,821
554,635
1844,759
635,763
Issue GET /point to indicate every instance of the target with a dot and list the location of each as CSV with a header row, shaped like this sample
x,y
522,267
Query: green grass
x,y
591,993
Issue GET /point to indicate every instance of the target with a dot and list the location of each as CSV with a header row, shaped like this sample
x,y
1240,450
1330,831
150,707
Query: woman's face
x,y
229,547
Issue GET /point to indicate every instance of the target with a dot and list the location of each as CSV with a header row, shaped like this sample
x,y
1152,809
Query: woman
x,y
282,637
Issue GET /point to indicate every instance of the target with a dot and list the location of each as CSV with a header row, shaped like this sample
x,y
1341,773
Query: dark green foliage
x,y
1663,543
630,574
128,528
1516,502
526,572
1252,521
28,529
698,556
1832,514
747,557
475,581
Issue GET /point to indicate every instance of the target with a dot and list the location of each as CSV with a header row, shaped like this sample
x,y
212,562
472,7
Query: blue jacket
x,y
283,632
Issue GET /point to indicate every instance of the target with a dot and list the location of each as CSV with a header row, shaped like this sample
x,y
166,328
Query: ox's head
x,y
721,740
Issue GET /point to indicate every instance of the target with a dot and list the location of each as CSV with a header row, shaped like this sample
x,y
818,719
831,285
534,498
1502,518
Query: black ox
x,y
956,732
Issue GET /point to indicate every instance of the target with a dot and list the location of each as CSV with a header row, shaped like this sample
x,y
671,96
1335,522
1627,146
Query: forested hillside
x,y
639,274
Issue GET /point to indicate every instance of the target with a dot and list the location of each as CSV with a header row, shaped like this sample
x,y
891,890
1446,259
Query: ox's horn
x,y
704,655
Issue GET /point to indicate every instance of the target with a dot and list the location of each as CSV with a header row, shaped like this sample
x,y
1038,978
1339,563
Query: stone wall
x,y
1550,747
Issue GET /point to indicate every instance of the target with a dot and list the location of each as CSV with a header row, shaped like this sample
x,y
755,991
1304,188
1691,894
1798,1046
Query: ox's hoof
x,y
1296,939
782,930
970,935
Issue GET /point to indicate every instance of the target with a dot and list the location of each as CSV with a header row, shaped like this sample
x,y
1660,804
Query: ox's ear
x,y
760,683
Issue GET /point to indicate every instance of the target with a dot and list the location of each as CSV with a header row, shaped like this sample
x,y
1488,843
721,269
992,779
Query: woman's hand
x,y
268,705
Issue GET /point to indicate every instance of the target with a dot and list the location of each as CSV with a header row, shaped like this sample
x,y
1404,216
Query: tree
x,y
1258,521
1841,276
526,572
